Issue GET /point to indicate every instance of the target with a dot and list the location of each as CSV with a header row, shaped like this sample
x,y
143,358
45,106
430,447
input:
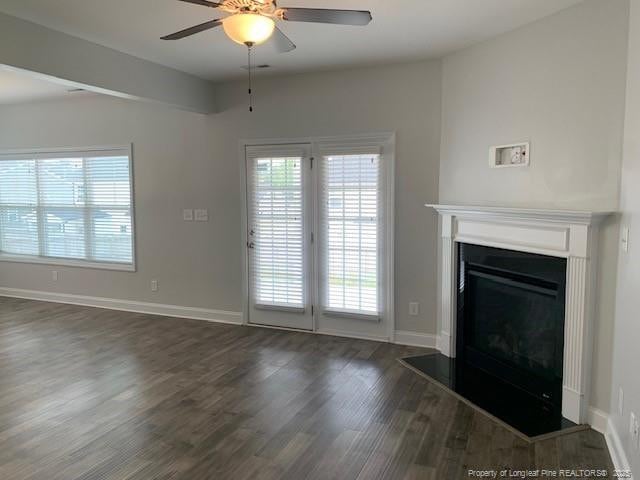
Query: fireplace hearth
x,y
510,337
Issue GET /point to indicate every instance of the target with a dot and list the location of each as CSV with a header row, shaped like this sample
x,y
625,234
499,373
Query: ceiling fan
x,y
252,22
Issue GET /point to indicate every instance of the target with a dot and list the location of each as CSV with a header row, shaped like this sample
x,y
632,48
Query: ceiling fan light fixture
x,y
248,28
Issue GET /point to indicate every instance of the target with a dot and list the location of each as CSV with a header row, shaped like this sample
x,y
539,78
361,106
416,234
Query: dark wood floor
x,y
96,394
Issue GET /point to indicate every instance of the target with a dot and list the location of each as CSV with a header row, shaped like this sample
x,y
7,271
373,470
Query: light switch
x,y
187,215
414,308
202,215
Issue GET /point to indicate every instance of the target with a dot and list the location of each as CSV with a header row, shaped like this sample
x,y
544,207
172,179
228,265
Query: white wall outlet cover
x,y
201,215
187,215
54,275
414,308
510,155
154,285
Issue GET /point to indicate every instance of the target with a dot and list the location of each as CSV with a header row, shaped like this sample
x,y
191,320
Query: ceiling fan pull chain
x,y
249,69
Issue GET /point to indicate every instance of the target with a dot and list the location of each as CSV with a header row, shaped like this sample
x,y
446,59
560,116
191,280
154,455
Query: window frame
x,y
79,152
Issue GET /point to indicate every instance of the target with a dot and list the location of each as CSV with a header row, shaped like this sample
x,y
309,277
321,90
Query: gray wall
x,y
626,355
559,83
404,99
185,160
175,167
73,61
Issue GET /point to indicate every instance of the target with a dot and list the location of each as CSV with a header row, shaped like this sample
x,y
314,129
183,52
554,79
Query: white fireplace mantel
x,y
569,234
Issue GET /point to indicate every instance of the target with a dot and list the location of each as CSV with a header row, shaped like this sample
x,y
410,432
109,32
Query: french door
x,y
279,220
319,237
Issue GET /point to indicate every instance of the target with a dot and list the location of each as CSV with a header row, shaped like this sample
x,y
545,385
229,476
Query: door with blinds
x,y
320,236
279,220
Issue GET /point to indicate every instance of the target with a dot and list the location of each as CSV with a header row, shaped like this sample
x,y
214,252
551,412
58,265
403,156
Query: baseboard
x,y
618,457
347,334
443,344
195,313
598,420
219,316
414,339
601,423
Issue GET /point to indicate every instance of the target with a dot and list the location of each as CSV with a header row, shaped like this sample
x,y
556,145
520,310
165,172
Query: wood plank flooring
x,y
92,394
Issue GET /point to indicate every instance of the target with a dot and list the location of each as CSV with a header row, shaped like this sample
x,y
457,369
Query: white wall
x,y
559,83
626,354
185,160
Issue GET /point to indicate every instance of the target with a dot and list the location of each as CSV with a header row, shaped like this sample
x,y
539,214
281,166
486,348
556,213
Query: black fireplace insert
x,y
510,323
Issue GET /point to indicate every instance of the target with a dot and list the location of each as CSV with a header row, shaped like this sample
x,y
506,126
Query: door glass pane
x,y
277,232
350,186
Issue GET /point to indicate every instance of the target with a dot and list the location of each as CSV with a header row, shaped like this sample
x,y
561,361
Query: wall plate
x,y
511,155
201,215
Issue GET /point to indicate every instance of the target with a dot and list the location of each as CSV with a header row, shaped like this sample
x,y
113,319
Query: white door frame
x,y
387,141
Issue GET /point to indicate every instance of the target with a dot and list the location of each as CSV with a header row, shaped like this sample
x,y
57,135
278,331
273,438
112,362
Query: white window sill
x,y
68,262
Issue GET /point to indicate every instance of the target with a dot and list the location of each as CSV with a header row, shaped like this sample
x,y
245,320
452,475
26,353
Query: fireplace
x,y
570,237
510,323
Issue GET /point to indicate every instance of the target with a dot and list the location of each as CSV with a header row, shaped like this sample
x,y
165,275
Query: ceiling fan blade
x,y
193,30
282,43
323,15
204,3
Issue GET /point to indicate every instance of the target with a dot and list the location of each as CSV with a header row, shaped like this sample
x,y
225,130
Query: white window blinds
x,y
71,205
350,213
276,229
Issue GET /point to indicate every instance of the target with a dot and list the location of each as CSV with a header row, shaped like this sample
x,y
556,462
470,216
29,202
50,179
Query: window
x,y
351,214
71,207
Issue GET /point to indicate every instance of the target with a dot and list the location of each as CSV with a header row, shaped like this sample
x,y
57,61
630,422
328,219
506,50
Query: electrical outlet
x,y
154,285
414,308
201,215
624,240
54,275
620,401
187,215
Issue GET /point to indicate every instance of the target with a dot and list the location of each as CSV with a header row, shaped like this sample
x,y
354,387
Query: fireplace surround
x,y
572,237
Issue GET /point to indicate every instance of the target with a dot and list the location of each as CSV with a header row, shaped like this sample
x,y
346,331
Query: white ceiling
x,y
18,87
401,30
